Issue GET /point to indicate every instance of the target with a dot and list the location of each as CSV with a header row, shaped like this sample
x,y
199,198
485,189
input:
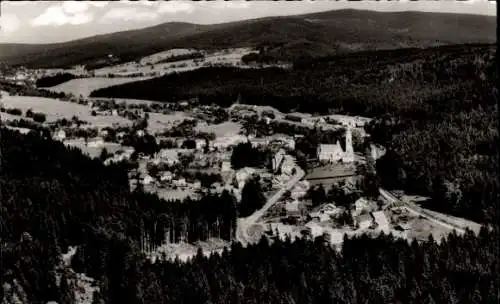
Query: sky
x,y
59,21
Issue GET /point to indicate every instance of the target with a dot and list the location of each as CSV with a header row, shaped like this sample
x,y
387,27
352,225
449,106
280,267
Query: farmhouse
x,y
60,135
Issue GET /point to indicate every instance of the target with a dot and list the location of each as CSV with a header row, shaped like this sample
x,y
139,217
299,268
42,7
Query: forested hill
x,y
59,197
282,38
436,112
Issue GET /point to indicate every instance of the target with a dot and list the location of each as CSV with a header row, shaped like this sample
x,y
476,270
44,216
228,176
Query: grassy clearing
x,y
84,86
157,122
55,109
331,171
227,128
148,65
93,151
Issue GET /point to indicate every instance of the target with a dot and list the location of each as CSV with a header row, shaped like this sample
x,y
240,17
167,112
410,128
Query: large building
x,y
334,153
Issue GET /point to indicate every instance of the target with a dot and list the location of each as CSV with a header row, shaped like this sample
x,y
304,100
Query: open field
x,y
93,151
185,251
157,122
149,65
332,170
227,128
55,109
84,86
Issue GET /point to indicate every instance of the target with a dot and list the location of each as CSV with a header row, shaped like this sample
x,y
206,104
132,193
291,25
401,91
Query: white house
x,y
197,185
166,176
147,179
95,143
225,166
243,175
60,135
292,208
200,144
300,190
180,182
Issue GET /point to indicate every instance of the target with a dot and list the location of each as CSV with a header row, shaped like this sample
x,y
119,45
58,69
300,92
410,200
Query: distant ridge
x,y
286,38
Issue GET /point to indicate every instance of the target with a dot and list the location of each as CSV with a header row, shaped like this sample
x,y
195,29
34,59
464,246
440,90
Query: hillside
x,y
284,38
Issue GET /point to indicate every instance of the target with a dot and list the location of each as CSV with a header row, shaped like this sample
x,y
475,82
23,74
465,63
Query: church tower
x,y
349,151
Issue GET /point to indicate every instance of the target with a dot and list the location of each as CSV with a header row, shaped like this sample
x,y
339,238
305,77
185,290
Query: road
x,y
245,223
418,211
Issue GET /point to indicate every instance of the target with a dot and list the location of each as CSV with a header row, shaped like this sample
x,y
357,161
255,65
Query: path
x,y
245,223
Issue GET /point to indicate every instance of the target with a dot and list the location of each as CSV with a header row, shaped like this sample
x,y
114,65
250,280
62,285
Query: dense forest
x,y
50,81
435,110
60,197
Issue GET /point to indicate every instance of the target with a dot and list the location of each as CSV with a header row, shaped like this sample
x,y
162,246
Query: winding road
x,y
244,224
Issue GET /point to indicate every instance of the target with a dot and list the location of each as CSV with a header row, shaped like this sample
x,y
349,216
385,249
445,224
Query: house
x,y
180,182
300,190
197,185
364,221
243,175
259,142
140,133
147,179
200,144
292,208
95,143
226,166
166,176
60,135
114,112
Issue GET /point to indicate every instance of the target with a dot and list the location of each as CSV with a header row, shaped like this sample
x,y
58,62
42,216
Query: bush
x,y
14,111
39,117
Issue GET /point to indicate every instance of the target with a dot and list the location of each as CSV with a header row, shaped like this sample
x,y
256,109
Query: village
x,y
185,150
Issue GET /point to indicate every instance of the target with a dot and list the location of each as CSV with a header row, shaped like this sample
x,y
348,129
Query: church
x,y
334,153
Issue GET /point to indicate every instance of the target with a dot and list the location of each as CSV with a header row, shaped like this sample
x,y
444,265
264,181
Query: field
x,y
185,251
55,109
227,128
84,86
157,122
149,66
93,151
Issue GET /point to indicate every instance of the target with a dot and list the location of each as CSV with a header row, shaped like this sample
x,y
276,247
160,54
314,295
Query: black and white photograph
x,y
249,152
